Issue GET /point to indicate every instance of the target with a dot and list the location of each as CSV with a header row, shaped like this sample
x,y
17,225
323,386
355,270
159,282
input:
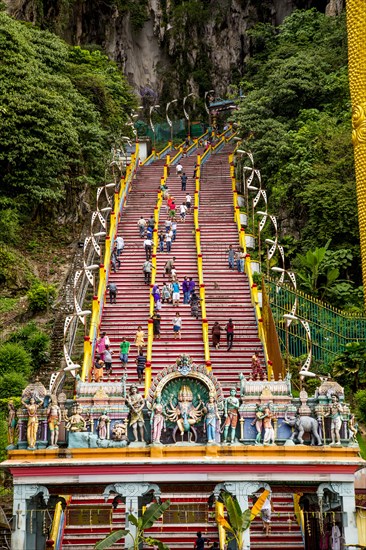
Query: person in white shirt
x,y
168,241
120,245
179,169
183,211
188,202
148,247
142,225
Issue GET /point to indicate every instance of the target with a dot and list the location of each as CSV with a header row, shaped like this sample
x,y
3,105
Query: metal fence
x,y
331,329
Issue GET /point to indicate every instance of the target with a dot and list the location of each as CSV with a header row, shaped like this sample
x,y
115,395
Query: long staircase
x,y
227,296
227,291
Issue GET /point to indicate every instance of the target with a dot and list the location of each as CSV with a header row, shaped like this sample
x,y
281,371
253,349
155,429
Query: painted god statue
x,y
185,415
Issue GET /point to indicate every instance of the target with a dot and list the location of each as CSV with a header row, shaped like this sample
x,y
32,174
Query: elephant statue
x,y
301,425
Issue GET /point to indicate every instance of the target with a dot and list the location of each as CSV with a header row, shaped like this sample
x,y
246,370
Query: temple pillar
x,y
131,492
22,493
346,491
242,490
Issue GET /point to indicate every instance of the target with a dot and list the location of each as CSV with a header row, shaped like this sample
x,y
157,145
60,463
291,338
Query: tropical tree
x,y
238,521
147,520
350,366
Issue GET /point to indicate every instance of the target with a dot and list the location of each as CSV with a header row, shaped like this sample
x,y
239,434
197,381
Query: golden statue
x,y
32,426
356,24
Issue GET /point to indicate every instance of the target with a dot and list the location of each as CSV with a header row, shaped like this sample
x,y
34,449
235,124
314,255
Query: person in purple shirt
x,y
192,286
185,289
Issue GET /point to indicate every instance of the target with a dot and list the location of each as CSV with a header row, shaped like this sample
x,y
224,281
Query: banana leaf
x,y
153,512
115,536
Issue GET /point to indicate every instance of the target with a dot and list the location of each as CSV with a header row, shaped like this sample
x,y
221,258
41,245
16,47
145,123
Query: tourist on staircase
x,y
183,179
148,248
216,334
177,326
147,269
124,350
230,327
142,226
139,339
140,366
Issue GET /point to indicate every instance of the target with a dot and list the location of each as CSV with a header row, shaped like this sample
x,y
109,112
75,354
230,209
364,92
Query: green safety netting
x,y
330,328
163,131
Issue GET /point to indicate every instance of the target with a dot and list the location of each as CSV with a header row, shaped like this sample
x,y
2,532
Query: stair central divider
x,y
150,328
199,260
99,300
248,269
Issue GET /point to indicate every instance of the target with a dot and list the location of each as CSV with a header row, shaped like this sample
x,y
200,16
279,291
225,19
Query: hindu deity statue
x,y
157,419
53,420
136,403
76,423
185,414
211,419
32,426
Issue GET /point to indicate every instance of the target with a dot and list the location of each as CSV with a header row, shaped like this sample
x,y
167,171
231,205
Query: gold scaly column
x,y
356,27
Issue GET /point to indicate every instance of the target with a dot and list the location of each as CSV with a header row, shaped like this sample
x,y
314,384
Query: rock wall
x,y
181,47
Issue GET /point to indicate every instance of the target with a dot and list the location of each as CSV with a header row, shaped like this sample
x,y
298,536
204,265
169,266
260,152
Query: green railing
x,y
331,329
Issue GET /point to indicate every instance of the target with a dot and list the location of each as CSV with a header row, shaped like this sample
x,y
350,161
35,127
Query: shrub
x,y
13,357
40,296
9,226
35,341
360,399
12,383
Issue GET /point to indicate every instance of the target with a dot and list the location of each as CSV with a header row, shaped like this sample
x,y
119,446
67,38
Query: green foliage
x,y
13,357
15,272
54,138
349,367
9,226
296,119
12,383
7,304
360,401
40,296
35,341
237,522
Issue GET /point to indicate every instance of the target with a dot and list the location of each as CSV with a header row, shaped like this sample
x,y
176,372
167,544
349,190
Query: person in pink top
x,y
102,342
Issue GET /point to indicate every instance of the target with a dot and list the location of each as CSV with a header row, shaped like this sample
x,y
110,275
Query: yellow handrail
x,y
177,155
248,269
150,331
167,148
99,299
150,157
199,267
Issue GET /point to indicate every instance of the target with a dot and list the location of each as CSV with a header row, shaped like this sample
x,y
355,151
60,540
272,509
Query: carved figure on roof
x,y
103,424
269,435
258,423
119,431
32,426
53,419
76,423
12,423
353,429
157,419
231,406
301,425
185,414
335,412
136,403
211,419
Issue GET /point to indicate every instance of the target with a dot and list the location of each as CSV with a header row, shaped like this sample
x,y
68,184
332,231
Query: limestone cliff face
x,y
167,47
